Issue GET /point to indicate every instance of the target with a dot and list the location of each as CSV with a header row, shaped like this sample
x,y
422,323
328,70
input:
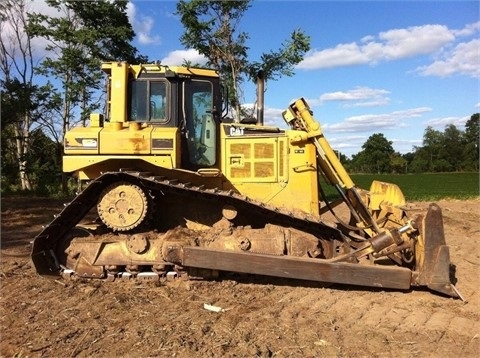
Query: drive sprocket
x,y
122,206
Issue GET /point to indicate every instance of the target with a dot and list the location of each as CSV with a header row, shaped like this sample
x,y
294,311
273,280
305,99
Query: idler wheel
x,y
122,206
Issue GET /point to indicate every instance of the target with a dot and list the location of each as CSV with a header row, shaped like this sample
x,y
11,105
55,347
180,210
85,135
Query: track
x,y
48,239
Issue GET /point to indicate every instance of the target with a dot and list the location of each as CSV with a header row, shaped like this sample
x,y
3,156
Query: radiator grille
x,y
253,160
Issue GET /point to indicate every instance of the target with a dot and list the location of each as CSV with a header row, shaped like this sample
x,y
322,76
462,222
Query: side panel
x,y
82,140
303,175
266,167
130,140
122,148
91,166
165,141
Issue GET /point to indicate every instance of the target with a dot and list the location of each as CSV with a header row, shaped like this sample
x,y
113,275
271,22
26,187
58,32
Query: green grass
x,y
425,187
421,187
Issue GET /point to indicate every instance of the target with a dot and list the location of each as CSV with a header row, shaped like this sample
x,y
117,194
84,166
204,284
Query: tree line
x,y
452,150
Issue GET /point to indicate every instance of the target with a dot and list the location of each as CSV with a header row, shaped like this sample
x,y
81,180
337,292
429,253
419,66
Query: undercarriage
x,y
131,224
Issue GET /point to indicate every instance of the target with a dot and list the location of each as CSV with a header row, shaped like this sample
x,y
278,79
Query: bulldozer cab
x,y
156,117
153,98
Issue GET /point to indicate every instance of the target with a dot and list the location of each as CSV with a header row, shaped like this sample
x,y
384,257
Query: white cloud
x,y
178,57
376,122
463,59
468,30
443,122
406,142
387,46
144,30
477,105
397,44
273,117
352,144
142,25
357,97
131,11
341,55
401,43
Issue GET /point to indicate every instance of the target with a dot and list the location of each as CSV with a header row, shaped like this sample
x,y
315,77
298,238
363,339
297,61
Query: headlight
x,y
89,142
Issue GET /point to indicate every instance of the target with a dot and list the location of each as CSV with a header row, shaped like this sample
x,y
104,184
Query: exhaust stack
x,y
260,97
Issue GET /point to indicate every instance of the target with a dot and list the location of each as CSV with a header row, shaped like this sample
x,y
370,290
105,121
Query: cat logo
x,y
235,132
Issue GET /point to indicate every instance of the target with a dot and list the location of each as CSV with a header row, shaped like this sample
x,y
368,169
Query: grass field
x,y
425,187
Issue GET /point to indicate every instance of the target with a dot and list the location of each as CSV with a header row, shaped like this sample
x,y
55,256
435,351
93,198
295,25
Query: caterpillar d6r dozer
x,y
176,189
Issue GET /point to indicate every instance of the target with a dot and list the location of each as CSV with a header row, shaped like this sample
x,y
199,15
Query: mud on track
x,y
263,317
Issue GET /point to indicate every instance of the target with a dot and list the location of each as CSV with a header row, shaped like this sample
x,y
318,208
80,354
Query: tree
x,y
420,161
45,163
211,27
470,154
398,163
433,142
86,34
450,150
375,155
105,30
472,129
452,147
409,157
16,66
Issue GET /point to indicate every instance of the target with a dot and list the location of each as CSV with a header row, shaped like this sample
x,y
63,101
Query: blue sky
x,y
374,67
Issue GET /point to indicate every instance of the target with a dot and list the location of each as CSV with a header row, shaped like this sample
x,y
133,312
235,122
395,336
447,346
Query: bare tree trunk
x,y
22,146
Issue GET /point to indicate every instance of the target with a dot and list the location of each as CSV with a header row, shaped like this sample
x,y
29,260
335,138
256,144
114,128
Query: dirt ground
x,y
262,317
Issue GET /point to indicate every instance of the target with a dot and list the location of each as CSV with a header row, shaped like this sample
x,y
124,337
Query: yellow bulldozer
x,y
175,188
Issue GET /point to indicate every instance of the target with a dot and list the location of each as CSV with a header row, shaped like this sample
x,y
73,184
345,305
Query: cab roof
x,y
168,71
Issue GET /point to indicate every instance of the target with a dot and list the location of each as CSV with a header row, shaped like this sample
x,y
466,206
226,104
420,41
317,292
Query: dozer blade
x,y
302,268
432,267
433,256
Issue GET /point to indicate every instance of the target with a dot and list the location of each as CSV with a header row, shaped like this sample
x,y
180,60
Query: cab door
x,y
199,130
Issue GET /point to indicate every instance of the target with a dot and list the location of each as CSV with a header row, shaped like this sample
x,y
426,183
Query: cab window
x,y
148,101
